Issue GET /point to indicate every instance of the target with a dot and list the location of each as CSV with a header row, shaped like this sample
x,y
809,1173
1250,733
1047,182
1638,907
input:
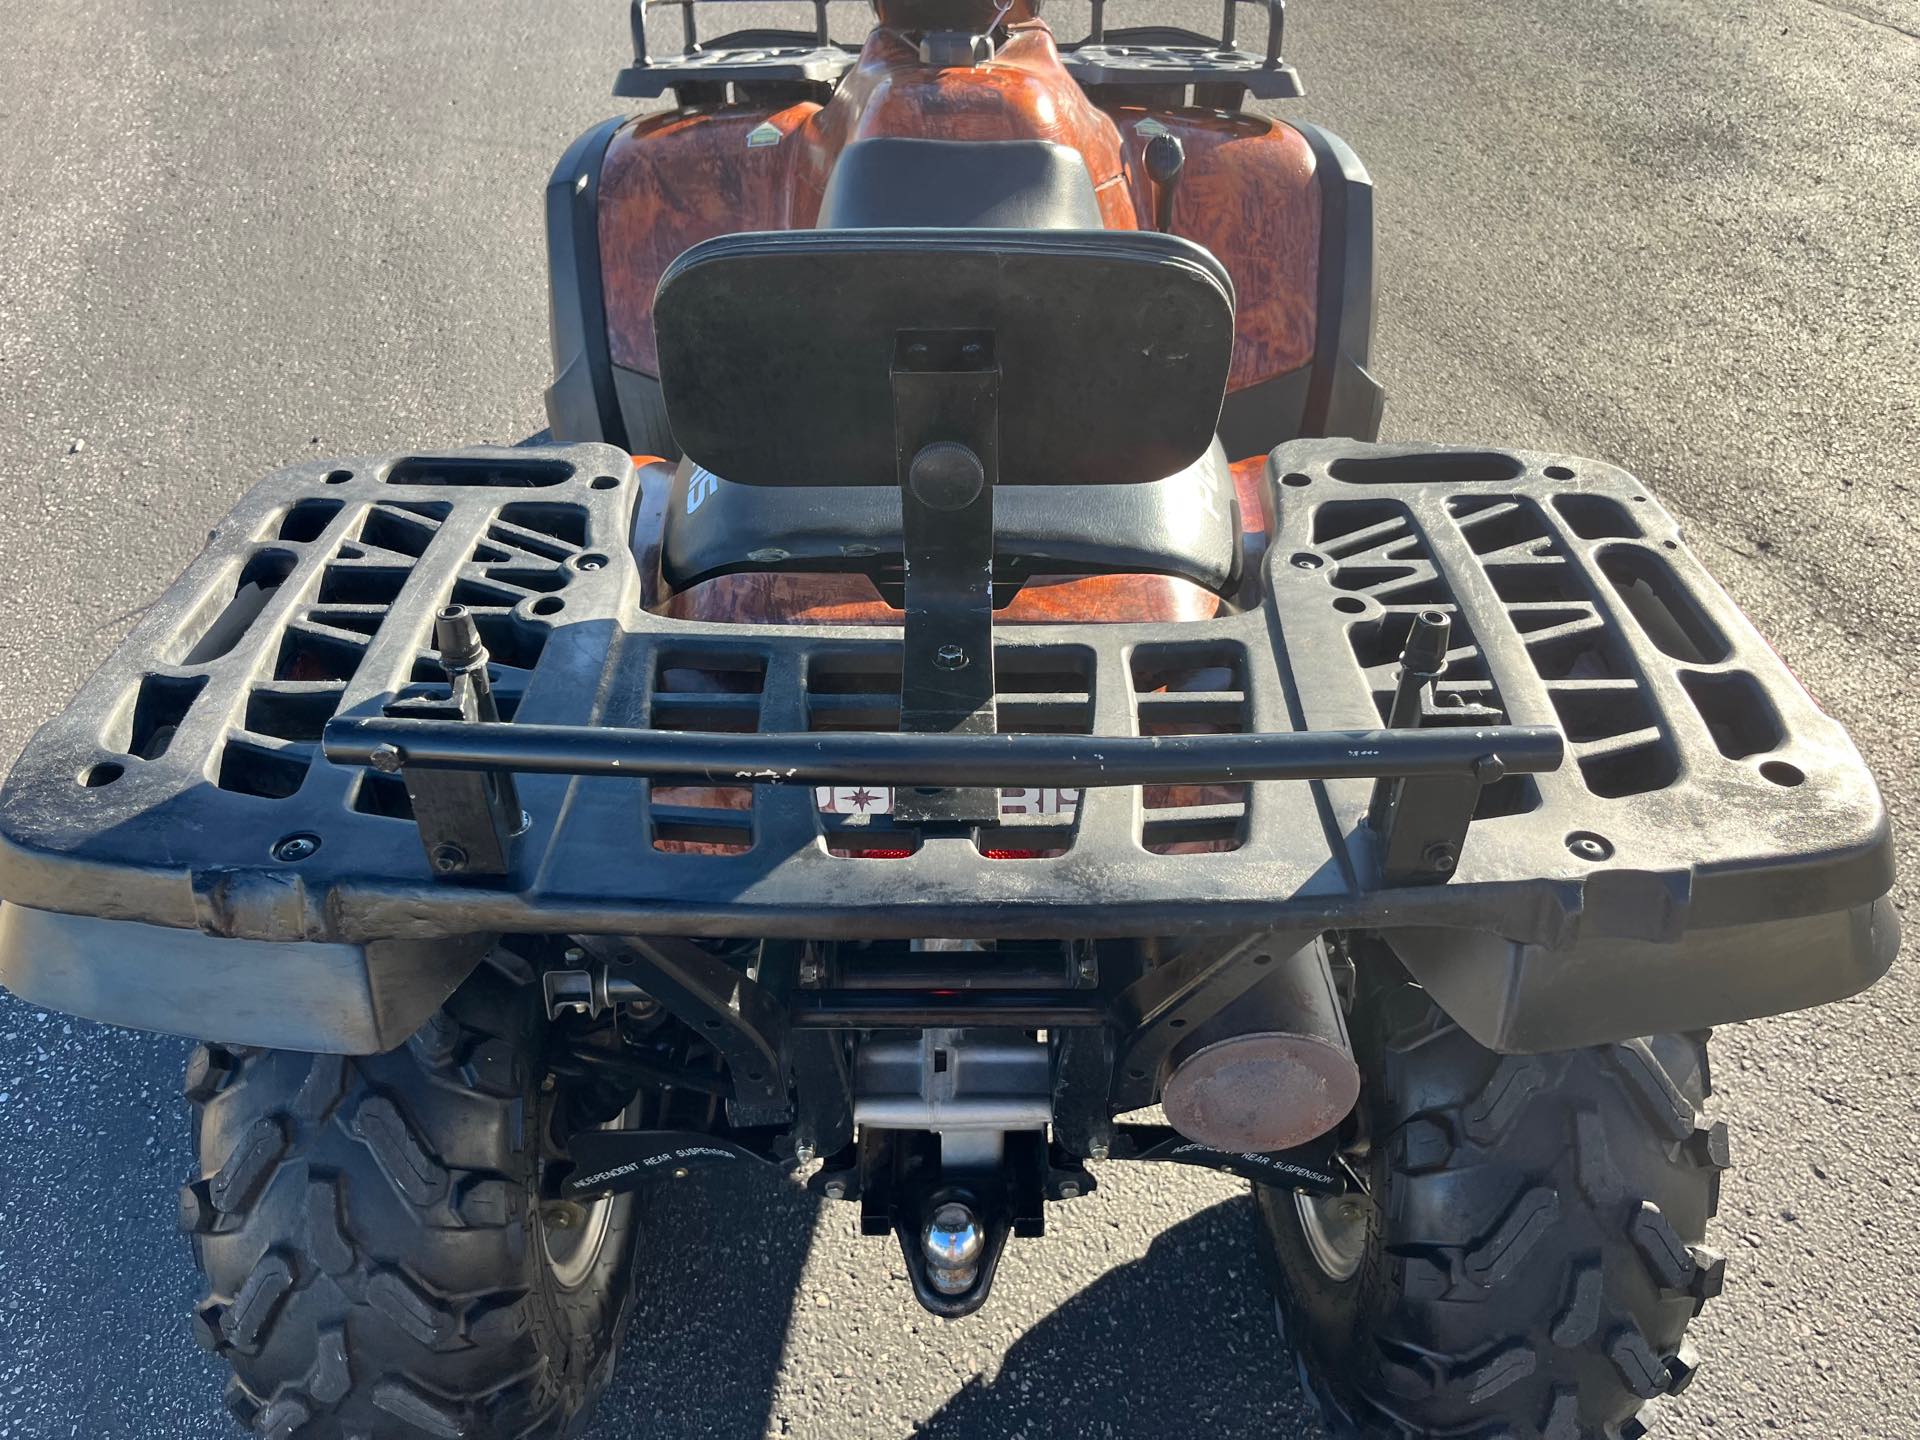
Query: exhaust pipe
x,y
1272,1070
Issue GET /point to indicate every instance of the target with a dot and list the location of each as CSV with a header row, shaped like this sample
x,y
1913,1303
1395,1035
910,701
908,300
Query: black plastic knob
x,y
1166,157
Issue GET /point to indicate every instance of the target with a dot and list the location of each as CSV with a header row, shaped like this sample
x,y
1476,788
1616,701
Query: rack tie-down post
x,y
1422,820
467,818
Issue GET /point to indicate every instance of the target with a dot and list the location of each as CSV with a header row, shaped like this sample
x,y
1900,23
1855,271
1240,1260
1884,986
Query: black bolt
x,y
387,759
448,858
1589,847
295,848
1441,857
1489,768
1306,560
591,562
950,657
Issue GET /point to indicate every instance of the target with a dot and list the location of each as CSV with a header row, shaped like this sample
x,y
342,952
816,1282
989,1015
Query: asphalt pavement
x,y
1680,236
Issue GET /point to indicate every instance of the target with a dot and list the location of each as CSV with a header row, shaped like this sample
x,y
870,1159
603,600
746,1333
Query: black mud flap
x,y
1310,1167
608,1162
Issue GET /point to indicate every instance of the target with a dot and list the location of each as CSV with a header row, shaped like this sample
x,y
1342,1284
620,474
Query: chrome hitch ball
x,y
952,1241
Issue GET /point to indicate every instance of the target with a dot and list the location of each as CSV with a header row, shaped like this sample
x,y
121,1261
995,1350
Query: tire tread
x,y
1542,1251
359,1283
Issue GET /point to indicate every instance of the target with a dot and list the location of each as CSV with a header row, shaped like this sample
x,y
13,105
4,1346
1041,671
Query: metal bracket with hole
x,y
722,1005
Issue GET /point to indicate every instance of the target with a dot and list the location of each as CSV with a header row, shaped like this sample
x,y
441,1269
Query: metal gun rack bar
x,y
458,761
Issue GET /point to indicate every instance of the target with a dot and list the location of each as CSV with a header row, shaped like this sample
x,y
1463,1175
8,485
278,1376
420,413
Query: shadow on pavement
x,y
718,1270
1181,1341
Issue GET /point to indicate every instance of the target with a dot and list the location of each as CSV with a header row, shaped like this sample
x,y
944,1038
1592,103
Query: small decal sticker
x,y
700,485
878,800
764,134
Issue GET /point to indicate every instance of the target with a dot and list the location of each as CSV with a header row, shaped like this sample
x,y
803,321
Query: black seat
x,y
959,185
1186,525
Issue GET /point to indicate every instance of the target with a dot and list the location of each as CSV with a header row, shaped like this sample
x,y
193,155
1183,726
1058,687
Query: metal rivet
x,y
1307,560
448,858
387,759
680,1172
296,848
1069,1189
1097,1150
836,1189
1441,857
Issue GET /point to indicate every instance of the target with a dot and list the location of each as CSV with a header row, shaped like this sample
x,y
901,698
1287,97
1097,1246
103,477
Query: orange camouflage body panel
x,y
1247,193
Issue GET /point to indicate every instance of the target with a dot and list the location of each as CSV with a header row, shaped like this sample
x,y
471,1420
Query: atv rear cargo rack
x,y
1710,838
1136,64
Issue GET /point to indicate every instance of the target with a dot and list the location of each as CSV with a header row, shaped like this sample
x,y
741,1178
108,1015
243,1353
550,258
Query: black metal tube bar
x,y
918,1009
889,758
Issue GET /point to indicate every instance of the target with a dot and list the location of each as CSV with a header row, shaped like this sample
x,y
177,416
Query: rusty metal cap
x,y
1269,1090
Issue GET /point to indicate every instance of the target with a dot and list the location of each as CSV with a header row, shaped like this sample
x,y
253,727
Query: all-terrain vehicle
x,y
957,676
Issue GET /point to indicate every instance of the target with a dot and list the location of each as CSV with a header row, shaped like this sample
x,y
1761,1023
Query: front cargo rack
x,y
805,61
252,762
1141,64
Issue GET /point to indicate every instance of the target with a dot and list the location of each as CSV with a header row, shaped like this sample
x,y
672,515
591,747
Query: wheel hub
x,y
572,1231
1337,1229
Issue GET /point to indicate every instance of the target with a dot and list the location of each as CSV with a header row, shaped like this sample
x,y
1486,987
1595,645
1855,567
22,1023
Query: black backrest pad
x,y
958,185
777,349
